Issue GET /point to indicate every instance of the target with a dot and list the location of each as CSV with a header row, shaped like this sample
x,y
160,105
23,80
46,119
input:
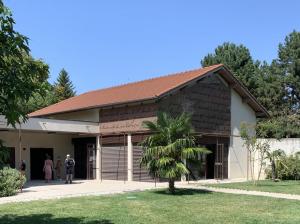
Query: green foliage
x,y
288,63
257,149
287,167
280,127
170,144
38,101
10,181
275,158
20,74
276,86
286,91
63,88
270,89
238,59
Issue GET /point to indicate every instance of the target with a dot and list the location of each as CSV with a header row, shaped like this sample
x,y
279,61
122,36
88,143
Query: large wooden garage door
x,y
139,173
114,163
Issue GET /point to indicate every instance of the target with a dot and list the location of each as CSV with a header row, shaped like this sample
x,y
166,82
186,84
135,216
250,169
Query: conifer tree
x,y
63,87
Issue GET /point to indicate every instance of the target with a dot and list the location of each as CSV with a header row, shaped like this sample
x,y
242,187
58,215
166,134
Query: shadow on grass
x,y
183,191
48,218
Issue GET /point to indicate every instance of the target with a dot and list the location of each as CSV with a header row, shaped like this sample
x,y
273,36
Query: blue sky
x,y
105,43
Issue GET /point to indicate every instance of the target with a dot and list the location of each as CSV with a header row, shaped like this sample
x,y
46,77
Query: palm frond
x,y
150,125
191,153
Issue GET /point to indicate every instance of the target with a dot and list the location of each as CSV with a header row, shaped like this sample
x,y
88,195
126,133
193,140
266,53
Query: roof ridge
x,y
144,80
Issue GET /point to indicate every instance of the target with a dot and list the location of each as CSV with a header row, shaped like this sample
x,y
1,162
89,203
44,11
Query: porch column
x,y
98,158
129,158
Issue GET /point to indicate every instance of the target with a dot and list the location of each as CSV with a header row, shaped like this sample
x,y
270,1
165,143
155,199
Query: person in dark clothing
x,y
23,167
69,166
22,171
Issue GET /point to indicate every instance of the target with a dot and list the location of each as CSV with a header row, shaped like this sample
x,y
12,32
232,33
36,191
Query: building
x,y
101,129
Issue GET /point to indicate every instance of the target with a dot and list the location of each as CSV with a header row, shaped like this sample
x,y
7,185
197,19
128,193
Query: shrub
x,y
288,169
10,181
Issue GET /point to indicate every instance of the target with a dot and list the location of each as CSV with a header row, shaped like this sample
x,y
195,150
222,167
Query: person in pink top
x,y
48,167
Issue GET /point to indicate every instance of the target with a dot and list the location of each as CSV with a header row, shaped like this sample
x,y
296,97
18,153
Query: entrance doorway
x,y
91,161
210,162
216,162
85,158
37,160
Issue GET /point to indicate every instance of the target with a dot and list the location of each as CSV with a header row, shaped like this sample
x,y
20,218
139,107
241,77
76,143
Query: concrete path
x,y
38,190
244,192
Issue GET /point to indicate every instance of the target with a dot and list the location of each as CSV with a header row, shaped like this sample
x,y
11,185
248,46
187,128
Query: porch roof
x,y
53,125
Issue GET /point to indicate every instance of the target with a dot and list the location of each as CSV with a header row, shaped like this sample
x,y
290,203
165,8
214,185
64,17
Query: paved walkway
x,y
244,192
38,190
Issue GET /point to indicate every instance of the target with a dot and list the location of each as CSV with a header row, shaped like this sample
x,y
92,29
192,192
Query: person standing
x,y
69,166
48,168
58,168
22,171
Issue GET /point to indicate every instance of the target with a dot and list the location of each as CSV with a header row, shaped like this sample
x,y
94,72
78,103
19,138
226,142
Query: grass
x,y
187,206
286,187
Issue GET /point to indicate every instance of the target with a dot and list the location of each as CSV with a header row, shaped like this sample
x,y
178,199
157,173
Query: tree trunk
x,y
273,170
172,186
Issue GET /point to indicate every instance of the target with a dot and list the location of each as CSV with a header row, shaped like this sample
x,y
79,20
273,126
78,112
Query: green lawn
x,y
189,206
287,187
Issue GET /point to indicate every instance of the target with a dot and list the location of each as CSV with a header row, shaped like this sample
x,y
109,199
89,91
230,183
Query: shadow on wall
x,y
48,218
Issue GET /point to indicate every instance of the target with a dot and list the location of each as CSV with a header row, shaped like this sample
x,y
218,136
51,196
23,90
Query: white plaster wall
x,y
288,145
240,112
84,115
61,144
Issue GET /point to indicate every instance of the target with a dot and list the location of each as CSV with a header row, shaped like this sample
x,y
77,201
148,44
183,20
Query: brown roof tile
x,y
131,92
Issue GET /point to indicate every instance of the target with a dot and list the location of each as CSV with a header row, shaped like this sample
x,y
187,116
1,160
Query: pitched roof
x,y
132,92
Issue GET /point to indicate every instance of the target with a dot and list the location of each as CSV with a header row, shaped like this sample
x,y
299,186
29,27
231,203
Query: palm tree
x,y
275,158
170,143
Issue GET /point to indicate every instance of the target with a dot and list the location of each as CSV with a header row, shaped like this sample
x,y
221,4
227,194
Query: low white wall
x,y
288,145
61,144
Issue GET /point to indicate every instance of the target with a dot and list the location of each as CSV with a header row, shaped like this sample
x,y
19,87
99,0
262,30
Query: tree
x,y
270,89
63,88
276,86
283,99
170,143
275,159
20,75
38,101
257,149
238,59
288,64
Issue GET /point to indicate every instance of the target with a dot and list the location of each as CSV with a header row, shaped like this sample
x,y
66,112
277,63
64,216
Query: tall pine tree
x,y
288,65
63,87
238,59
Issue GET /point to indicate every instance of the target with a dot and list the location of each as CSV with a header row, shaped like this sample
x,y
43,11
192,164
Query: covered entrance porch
x,y
37,138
